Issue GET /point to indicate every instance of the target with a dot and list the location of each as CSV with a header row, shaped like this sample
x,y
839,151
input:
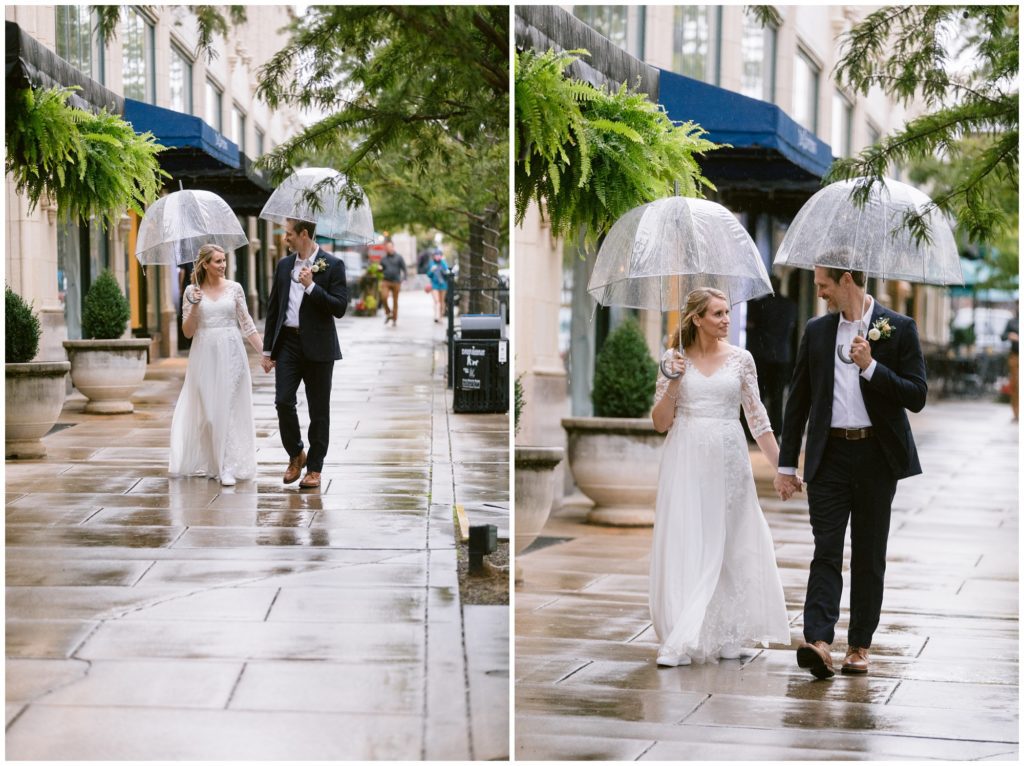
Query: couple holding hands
x,y
213,430
714,581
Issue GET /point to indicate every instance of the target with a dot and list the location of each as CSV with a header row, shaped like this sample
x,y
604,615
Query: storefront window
x,y
181,81
214,97
696,41
758,50
139,65
76,42
805,91
842,125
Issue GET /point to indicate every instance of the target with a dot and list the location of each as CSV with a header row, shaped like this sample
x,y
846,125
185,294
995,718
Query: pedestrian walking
x,y
301,345
1012,334
714,584
771,326
394,273
213,432
852,393
439,272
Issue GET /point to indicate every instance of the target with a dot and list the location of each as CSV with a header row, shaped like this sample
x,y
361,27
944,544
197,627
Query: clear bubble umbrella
x,y
830,230
656,254
315,195
176,226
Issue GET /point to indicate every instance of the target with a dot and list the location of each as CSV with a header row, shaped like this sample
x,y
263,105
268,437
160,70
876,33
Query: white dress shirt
x,y
291,319
848,410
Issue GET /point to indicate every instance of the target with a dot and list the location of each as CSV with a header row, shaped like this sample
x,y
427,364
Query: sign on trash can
x,y
481,375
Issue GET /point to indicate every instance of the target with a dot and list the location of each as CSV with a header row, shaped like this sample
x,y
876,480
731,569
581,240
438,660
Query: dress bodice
x,y
720,394
227,311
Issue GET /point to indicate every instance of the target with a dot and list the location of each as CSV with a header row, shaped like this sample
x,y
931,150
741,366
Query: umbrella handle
x,y
668,372
842,355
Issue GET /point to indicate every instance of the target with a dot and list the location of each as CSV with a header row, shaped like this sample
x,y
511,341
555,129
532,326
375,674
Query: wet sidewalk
x,y
151,618
944,677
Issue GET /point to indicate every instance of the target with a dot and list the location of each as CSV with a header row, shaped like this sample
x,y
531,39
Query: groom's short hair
x,y
306,226
859,277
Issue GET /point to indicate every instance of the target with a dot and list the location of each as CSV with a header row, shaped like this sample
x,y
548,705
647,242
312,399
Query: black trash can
x,y
481,375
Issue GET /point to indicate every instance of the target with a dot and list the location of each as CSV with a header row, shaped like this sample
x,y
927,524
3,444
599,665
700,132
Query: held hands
x,y
860,352
787,485
267,363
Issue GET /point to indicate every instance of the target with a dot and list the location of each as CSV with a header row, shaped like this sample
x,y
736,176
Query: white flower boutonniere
x,y
319,265
880,330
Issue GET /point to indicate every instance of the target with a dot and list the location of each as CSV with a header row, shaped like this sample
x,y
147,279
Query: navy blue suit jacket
x,y
898,384
326,301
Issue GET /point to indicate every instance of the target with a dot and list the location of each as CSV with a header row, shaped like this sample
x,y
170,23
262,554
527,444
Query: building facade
x,y
151,65
720,51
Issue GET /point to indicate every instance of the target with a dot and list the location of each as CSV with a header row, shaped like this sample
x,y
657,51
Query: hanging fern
x,y
588,155
87,164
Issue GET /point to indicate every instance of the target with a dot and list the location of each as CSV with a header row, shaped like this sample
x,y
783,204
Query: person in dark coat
x,y
771,326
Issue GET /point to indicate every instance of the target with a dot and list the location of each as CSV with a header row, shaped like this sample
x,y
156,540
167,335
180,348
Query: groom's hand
x,y
860,352
787,485
306,277
267,363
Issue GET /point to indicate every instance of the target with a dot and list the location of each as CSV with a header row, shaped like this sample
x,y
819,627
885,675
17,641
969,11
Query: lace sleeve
x,y
242,312
753,409
662,384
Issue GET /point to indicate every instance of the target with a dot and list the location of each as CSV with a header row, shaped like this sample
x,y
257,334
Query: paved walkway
x,y
944,682
151,618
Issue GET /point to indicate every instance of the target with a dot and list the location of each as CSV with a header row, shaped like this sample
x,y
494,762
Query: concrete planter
x,y
615,463
35,396
535,491
108,372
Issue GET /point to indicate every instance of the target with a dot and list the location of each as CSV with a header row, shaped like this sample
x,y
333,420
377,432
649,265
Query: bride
x,y
213,432
714,582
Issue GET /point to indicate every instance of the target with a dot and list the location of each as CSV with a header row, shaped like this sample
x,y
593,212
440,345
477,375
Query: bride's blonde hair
x,y
696,306
203,261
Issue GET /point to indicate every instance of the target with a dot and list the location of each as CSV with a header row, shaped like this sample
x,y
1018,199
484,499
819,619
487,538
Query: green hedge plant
x,y
624,374
105,310
22,329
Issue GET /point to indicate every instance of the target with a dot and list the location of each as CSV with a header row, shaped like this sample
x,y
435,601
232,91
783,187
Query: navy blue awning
x,y
771,155
176,130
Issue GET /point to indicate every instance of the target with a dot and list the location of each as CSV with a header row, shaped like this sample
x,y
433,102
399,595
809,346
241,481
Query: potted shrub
x,y
105,366
535,486
614,456
35,390
369,289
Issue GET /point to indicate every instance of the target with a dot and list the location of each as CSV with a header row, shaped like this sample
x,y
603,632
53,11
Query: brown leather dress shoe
x,y
817,658
856,660
295,466
311,480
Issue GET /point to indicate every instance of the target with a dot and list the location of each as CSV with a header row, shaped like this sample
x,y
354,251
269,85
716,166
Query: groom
x,y
855,390
300,342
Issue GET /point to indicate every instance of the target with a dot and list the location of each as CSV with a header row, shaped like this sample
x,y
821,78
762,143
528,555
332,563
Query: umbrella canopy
x,y
333,216
176,226
656,254
830,230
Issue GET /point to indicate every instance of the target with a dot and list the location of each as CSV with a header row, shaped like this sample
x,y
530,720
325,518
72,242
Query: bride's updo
x,y
696,305
202,263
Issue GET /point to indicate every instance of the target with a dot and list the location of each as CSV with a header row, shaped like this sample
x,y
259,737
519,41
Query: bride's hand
x,y
678,364
194,295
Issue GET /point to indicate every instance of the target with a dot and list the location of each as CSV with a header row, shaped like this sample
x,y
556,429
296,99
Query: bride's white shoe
x,y
227,480
673,660
729,652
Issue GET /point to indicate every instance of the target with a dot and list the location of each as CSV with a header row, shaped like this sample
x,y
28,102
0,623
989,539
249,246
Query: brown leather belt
x,y
851,434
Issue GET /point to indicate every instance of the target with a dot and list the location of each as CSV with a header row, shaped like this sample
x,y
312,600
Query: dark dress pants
x,y
291,369
853,483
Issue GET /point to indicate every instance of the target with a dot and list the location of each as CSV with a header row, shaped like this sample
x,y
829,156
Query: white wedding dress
x,y
714,582
213,432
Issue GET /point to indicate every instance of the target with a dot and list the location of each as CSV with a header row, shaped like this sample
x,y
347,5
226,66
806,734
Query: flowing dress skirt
x,y
713,575
213,431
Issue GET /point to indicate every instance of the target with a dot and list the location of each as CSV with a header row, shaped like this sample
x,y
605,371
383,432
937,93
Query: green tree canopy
x,y
415,100
961,63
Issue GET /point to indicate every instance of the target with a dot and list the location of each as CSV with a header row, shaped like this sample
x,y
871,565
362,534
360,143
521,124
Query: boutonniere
x,y
319,265
880,330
